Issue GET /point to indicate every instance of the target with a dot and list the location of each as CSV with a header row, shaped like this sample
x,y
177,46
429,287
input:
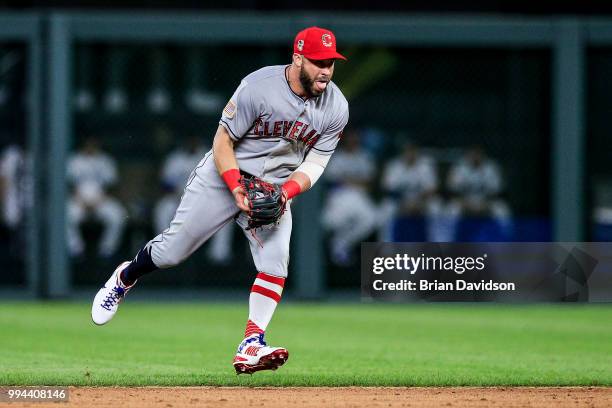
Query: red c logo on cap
x,y
326,40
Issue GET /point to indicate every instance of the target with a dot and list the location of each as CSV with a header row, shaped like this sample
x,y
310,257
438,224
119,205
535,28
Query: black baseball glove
x,y
265,200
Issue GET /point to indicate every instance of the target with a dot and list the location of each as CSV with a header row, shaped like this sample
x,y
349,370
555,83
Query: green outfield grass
x,y
329,345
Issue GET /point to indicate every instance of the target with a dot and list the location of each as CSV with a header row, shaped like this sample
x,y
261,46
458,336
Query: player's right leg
x,y
270,250
206,206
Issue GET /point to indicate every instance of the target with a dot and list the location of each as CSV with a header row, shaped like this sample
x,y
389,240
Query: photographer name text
x,y
427,285
412,264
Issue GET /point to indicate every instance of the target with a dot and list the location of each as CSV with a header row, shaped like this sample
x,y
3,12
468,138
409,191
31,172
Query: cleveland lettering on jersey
x,y
285,129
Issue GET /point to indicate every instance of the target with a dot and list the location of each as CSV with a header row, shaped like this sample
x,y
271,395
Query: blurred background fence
x,y
143,92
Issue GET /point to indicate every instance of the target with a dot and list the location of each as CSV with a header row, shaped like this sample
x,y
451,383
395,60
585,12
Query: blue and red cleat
x,y
255,355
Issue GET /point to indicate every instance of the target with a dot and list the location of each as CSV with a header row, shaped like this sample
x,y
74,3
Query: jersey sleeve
x,y
240,112
329,138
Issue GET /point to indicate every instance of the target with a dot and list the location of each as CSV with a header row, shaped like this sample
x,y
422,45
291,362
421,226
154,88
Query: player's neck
x,y
292,75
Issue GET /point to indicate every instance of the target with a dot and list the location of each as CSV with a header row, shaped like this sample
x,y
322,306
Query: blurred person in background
x,y
475,183
91,172
410,183
349,213
16,195
175,172
15,185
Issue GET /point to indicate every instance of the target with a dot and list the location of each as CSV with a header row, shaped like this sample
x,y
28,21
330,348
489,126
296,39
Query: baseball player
x,y
282,125
91,172
15,185
476,183
411,182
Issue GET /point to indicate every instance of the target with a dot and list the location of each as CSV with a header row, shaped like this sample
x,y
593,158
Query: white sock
x,y
265,295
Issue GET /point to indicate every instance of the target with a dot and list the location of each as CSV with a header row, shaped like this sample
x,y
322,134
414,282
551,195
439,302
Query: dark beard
x,y
308,85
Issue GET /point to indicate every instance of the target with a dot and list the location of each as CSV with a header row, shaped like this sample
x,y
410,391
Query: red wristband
x,y
292,188
231,178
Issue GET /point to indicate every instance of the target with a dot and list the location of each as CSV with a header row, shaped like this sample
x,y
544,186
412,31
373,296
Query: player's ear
x,y
297,60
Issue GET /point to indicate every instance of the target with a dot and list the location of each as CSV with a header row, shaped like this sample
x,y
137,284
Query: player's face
x,y
315,75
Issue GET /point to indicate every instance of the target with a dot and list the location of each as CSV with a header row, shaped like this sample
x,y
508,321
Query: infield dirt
x,y
173,397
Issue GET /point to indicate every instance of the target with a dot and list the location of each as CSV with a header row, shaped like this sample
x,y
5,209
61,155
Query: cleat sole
x,y
270,362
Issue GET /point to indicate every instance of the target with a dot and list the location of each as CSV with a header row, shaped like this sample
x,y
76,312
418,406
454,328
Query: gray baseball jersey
x,y
274,130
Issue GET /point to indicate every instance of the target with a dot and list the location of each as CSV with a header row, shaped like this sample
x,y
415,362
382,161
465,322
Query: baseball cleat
x,y
254,355
107,299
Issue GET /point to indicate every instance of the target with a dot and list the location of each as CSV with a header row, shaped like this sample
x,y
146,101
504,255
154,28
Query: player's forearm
x,y
298,183
225,159
304,177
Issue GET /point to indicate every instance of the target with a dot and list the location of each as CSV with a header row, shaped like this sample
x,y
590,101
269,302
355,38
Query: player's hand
x,y
240,198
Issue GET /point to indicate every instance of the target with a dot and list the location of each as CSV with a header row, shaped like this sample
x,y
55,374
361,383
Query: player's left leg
x,y
270,250
205,207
